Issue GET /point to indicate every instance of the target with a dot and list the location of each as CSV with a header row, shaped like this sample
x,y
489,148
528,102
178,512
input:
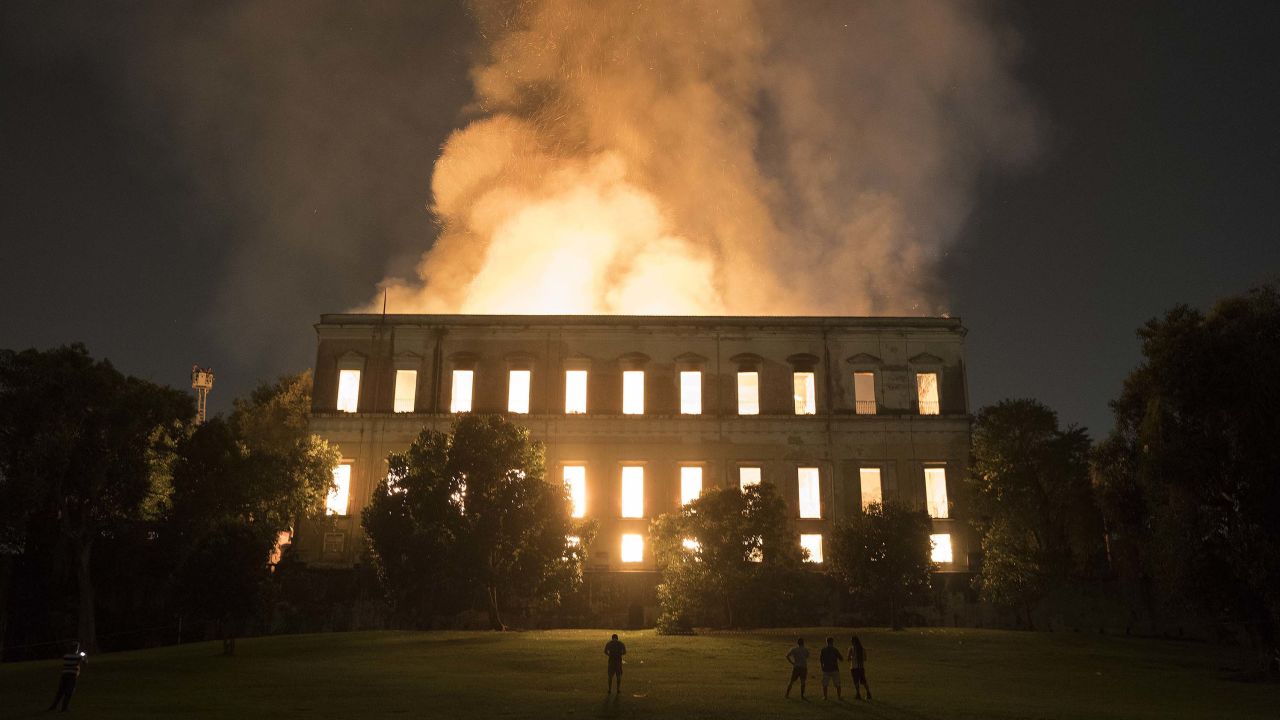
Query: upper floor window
x,y
935,491
460,397
805,397
927,393
872,492
340,492
348,390
690,484
749,393
575,481
575,392
748,476
406,390
632,491
864,393
690,392
810,492
633,392
518,391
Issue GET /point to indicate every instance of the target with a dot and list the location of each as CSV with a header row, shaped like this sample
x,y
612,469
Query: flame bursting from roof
x,y
728,157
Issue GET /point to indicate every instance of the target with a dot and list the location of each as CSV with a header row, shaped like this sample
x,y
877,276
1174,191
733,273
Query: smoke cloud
x,y
733,157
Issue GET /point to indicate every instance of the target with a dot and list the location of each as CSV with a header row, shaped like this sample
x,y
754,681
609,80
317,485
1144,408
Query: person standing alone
x,y
798,656
614,649
71,664
858,667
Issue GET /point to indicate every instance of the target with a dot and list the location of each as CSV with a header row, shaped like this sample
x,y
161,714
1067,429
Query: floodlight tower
x,y
202,383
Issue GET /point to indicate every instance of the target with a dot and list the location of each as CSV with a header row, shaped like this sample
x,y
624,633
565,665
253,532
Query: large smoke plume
x,y
740,157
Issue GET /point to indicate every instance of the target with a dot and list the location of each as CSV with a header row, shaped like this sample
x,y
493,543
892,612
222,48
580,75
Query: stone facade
x,y
891,435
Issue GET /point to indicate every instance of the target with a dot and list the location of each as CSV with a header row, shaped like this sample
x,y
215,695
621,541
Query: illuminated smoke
x,y
731,156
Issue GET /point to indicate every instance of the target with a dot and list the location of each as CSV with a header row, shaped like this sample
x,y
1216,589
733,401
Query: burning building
x,y
640,414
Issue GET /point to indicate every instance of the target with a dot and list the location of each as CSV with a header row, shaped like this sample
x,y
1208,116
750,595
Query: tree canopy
x,y
469,514
881,556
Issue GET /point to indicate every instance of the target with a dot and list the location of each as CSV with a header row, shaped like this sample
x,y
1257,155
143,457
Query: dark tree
x,y
82,446
1032,502
882,557
1188,477
730,558
223,578
468,514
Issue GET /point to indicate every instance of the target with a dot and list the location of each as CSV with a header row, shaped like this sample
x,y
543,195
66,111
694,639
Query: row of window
x,y
519,382
632,547
632,490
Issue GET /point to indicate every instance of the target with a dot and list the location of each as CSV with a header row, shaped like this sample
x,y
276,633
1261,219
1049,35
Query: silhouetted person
x,y
829,658
615,650
798,656
858,667
71,664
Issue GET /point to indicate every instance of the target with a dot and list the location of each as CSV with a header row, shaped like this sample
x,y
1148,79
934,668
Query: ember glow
x,y
734,157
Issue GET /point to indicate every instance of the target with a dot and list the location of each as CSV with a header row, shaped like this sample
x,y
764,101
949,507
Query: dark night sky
x,y
147,150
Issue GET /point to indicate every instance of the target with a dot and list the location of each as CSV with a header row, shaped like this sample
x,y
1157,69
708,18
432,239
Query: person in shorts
x,y
858,667
614,649
798,656
829,659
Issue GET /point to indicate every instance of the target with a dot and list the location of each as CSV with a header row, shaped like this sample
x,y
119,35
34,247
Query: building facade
x,y
640,414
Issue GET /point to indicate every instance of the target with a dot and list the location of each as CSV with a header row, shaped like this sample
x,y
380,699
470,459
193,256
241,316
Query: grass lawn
x,y
916,674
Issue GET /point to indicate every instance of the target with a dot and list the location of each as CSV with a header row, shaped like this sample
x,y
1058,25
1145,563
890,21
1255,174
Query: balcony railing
x,y
865,407
929,408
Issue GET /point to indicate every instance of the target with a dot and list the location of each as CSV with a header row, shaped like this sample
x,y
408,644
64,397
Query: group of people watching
x,y
829,659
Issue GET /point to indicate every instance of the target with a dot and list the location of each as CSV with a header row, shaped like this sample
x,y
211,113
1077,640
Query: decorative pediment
x,y
576,361
464,360
925,359
633,358
864,359
351,360
747,360
519,360
803,361
407,361
689,358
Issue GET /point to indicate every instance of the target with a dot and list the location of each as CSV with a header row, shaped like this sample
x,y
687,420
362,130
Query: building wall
x,y
897,438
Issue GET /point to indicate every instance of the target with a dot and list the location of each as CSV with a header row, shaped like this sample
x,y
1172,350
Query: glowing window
x,y
632,548
864,393
806,403
810,492
406,390
575,391
572,540
756,553
690,392
871,491
348,390
691,545
941,548
927,393
935,491
632,491
518,391
633,392
812,543
690,484
336,502
748,393
575,481
460,400
748,476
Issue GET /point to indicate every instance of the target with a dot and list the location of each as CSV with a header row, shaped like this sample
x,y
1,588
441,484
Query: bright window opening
x,y
748,476
632,548
941,548
518,391
690,392
575,392
810,492
812,543
633,392
460,400
572,540
871,490
748,393
927,393
691,545
340,493
935,491
864,393
406,390
632,491
348,390
756,553
575,481
806,402
690,484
